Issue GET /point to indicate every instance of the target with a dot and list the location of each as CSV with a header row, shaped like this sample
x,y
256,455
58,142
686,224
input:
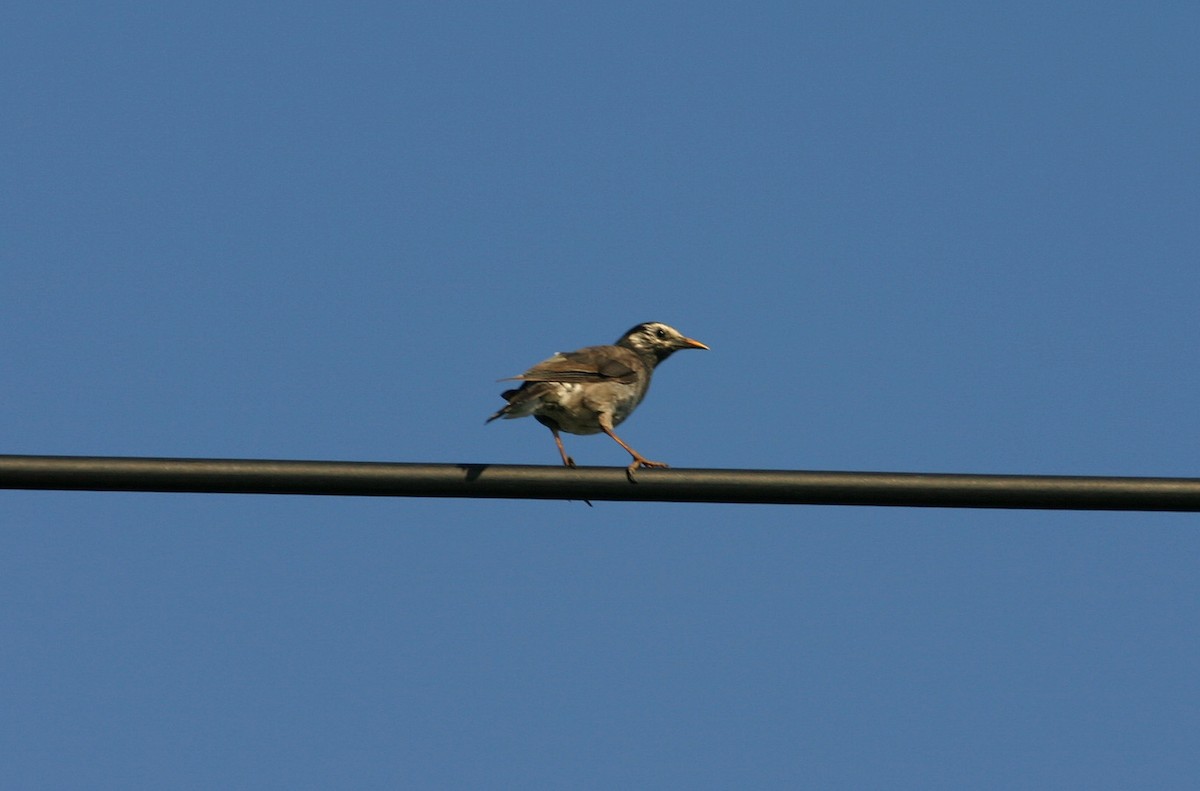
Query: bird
x,y
594,389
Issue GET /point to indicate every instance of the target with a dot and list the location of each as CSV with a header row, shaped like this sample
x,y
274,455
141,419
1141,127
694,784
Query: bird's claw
x,y
640,462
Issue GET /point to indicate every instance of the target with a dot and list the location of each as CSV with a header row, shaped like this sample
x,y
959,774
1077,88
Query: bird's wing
x,y
593,364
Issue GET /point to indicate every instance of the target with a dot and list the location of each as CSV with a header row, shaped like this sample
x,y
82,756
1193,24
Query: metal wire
x,y
257,476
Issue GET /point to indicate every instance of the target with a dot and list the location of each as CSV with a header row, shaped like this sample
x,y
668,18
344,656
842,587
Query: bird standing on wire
x,y
596,388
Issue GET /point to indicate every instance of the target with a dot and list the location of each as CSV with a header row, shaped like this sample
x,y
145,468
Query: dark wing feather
x,y
593,364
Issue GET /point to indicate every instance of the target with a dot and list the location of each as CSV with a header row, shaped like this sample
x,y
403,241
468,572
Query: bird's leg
x,y
638,459
567,460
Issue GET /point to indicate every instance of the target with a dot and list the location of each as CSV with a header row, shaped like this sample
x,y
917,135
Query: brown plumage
x,y
594,389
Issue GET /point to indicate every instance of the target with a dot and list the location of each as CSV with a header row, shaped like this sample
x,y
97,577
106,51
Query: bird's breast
x,y
576,408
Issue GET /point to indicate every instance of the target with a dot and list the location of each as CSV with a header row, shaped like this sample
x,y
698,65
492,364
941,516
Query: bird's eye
x,y
660,332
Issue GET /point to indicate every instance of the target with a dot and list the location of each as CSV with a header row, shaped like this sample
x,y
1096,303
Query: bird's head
x,y
657,340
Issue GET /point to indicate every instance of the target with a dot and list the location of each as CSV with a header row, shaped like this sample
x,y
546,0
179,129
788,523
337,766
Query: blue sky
x,y
929,237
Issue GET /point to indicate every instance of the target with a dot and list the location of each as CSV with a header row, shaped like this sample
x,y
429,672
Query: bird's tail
x,y
505,410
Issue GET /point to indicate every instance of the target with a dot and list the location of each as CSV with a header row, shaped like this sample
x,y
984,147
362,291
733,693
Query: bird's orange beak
x,y
688,343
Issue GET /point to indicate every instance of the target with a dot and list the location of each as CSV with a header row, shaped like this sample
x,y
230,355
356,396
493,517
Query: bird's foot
x,y
569,462
639,461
